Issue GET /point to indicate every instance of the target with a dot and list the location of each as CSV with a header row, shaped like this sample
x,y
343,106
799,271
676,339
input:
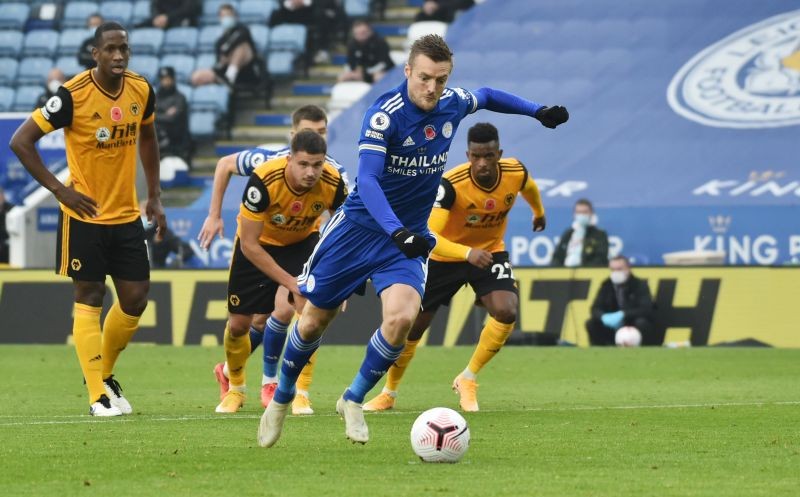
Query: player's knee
x,y
135,302
238,325
90,293
398,323
506,315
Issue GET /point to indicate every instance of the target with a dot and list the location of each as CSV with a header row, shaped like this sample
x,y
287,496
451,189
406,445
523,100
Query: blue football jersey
x,y
248,160
414,145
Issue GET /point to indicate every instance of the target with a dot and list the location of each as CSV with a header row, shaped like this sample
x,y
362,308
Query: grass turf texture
x,y
556,422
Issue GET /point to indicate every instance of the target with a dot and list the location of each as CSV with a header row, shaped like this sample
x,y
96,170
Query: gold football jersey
x,y
101,134
289,217
476,217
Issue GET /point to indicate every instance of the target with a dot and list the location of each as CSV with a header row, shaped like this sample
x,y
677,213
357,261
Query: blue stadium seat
x,y
69,65
255,11
280,64
146,65
76,13
10,43
573,63
356,8
202,124
211,97
260,36
576,33
183,65
120,12
291,37
8,71
205,61
40,43
181,40
207,38
146,41
6,98
25,98
533,60
70,41
141,11
33,70
14,15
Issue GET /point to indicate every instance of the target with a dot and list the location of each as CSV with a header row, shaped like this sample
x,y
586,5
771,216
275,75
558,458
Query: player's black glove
x,y
412,245
550,117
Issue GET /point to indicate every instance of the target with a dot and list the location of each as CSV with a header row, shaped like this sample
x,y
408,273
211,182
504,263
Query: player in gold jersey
x,y
279,223
105,113
469,219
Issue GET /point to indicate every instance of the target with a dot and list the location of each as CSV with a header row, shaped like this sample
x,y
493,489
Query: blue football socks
x,y
295,357
274,339
380,356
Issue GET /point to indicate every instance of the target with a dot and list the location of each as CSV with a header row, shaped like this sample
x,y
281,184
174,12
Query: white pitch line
x,y
82,419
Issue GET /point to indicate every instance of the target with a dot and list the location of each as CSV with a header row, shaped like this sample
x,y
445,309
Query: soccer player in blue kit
x,y
381,231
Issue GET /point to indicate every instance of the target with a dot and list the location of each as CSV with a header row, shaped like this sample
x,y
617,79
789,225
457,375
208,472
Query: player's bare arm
x,y
148,150
213,225
249,232
23,143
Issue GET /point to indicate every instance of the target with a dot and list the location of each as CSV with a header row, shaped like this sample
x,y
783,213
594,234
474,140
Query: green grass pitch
x,y
555,422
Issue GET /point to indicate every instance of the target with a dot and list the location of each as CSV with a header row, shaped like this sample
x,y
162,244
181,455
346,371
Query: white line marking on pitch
x,y
81,419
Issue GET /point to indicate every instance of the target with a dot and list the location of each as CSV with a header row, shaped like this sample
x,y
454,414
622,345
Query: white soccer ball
x,y
628,336
440,435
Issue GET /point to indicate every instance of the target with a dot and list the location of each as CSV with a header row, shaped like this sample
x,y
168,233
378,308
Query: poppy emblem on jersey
x,y
76,264
135,109
447,129
473,218
116,114
317,206
379,121
278,219
490,204
296,206
102,134
234,300
430,132
509,198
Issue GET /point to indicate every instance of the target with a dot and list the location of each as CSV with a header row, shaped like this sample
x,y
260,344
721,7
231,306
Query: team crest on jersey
x,y
278,219
509,199
102,134
447,129
310,283
135,109
76,264
473,218
490,204
317,206
116,114
750,79
379,121
296,206
430,132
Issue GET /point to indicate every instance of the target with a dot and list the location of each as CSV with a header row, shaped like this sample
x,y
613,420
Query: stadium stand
x,y
11,43
146,41
8,71
76,13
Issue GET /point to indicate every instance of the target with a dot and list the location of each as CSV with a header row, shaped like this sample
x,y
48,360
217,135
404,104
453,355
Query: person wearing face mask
x,y
623,300
55,78
237,60
173,117
583,244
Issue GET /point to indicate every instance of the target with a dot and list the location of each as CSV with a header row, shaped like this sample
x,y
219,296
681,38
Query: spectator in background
x,y
583,244
172,114
173,13
442,10
623,300
4,208
293,12
160,251
85,52
367,55
236,54
55,78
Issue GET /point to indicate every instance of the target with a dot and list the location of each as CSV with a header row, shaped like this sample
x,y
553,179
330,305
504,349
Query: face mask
x,y
227,22
53,86
582,219
619,277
